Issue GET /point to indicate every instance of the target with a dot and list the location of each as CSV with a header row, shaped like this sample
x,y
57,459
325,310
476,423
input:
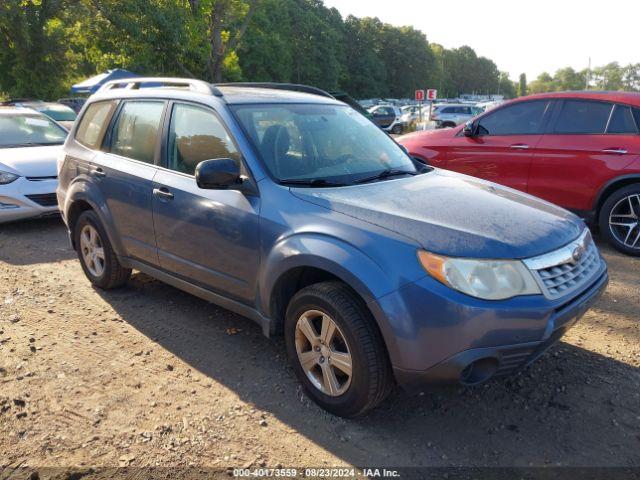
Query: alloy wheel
x,y
323,353
624,222
92,250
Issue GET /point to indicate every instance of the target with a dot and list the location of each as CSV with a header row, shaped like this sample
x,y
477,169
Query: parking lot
x,y
148,375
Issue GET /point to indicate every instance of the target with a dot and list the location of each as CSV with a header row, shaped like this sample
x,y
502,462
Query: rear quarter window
x,y
622,121
94,123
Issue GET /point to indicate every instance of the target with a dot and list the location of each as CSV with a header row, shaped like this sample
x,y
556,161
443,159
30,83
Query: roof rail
x,y
279,86
134,83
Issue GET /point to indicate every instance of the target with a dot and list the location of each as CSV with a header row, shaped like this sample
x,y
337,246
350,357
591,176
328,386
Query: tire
x,y
448,125
371,379
618,203
112,274
397,129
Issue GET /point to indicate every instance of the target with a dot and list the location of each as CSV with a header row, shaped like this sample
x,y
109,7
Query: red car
x,y
579,150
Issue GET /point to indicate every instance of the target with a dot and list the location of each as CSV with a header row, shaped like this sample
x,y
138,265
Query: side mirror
x,y
219,173
469,129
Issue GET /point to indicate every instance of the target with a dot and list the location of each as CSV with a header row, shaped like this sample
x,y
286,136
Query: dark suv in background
x,y
293,209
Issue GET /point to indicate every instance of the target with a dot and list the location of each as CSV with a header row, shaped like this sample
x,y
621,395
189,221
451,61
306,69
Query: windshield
x,y
60,114
20,130
333,144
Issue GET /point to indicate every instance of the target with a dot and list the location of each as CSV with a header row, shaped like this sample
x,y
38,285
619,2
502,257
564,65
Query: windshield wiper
x,y
389,172
312,182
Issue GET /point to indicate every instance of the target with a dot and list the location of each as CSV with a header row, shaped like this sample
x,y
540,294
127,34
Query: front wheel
x,y
397,129
620,220
336,349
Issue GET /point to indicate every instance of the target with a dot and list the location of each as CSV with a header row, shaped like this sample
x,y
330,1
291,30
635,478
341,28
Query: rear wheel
x,y
97,258
619,220
336,350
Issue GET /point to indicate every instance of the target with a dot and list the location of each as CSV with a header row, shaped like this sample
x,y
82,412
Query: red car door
x,y
502,144
587,143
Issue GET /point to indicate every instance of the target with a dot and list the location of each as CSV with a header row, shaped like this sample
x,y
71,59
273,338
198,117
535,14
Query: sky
x,y
519,36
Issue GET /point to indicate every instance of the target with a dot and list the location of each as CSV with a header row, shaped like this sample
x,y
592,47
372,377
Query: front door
x,y
209,237
503,146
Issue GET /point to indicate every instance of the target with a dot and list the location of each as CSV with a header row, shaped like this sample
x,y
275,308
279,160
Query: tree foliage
x,y
47,45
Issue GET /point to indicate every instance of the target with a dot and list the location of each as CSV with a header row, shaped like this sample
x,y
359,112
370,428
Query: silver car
x,y
451,114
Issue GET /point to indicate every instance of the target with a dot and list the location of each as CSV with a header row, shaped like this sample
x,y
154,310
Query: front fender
x,y
83,189
327,253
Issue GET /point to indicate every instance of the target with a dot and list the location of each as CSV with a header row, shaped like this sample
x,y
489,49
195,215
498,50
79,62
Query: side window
x,y
448,110
136,130
94,123
622,121
196,134
582,117
523,118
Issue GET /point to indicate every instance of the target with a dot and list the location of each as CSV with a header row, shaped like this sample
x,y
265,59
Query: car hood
x,y
30,161
440,134
455,215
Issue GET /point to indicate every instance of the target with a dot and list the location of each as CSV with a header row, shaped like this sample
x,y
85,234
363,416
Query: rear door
x,y
587,143
504,145
124,172
209,237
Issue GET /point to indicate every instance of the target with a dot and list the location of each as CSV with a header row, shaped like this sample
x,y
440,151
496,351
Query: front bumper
x,y
24,198
436,336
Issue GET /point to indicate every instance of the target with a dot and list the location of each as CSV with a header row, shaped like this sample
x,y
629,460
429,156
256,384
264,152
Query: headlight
x,y
6,177
487,279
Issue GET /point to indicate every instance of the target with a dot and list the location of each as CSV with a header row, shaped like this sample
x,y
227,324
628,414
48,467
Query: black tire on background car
x,y
397,129
336,349
619,220
97,258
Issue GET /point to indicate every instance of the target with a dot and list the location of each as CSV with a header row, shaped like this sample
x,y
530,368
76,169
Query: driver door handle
x,y
163,193
519,146
619,151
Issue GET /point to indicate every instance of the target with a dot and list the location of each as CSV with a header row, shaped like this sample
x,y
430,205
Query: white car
x,y
29,146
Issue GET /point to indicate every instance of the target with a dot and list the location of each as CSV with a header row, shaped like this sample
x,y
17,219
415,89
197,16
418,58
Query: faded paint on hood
x,y
455,214
30,161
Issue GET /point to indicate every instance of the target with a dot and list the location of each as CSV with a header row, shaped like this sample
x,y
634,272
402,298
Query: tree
x,y
32,52
522,85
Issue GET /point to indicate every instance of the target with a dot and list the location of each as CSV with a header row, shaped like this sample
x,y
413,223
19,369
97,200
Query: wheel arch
x,y
612,186
83,196
302,260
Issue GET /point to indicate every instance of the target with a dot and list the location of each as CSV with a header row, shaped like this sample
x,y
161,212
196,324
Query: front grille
x,y
44,199
568,269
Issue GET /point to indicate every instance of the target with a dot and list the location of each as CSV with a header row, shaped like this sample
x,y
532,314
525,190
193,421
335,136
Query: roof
x,y
180,88
243,95
631,98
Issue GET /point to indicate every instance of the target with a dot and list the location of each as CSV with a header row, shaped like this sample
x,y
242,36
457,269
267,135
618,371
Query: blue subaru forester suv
x,y
287,206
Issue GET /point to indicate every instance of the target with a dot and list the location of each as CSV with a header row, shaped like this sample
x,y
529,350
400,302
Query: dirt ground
x,y
150,376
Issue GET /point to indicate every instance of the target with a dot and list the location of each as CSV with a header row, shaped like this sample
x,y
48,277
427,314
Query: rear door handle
x,y
619,151
519,146
163,193
98,172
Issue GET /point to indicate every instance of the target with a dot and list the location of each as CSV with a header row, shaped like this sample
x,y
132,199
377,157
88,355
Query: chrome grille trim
x,y
567,269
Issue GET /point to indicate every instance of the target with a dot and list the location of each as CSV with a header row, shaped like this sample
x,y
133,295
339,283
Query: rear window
x,y
622,121
583,117
135,133
94,123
